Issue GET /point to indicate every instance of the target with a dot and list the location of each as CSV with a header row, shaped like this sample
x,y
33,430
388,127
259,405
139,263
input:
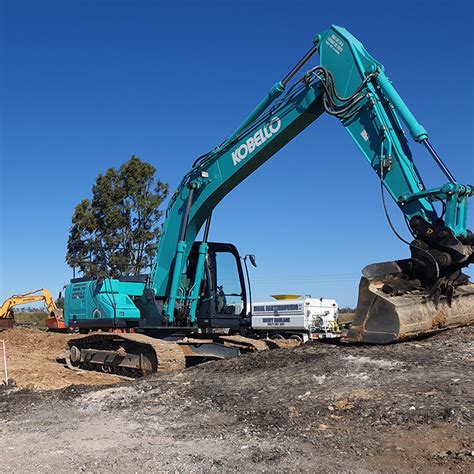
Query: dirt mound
x,y
35,340
33,361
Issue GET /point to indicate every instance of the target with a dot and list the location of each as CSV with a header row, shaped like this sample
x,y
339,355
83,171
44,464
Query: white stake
x,y
5,366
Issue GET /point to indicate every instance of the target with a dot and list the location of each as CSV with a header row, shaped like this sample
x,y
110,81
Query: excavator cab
x,y
223,295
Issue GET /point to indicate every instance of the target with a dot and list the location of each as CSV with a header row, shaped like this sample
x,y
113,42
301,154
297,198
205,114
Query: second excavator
x,y
54,320
197,289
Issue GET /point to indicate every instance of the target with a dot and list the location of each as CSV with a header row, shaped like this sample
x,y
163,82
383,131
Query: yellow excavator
x,y
54,321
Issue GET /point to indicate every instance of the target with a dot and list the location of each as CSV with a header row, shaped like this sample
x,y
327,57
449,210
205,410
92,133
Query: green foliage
x,y
36,318
116,232
345,318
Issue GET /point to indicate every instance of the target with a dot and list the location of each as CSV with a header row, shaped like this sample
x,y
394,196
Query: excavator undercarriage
x,y
136,355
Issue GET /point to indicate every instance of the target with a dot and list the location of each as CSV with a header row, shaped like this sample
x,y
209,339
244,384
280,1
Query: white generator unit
x,y
296,317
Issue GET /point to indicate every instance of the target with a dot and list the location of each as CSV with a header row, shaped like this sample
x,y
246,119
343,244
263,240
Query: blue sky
x,y
86,84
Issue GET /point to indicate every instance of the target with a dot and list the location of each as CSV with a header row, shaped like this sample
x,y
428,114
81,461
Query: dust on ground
x,y
317,407
33,361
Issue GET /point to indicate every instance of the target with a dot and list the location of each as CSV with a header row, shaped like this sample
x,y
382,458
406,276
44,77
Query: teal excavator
x,y
193,304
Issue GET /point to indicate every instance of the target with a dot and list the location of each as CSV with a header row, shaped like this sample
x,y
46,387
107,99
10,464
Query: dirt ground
x,y
33,361
318,407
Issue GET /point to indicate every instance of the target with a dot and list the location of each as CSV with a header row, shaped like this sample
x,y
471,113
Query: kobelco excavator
x,y
197,289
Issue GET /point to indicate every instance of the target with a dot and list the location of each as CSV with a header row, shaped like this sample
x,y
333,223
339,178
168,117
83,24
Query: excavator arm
x,y
352,86
16,300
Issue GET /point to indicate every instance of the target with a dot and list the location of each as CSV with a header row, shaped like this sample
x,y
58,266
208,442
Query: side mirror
x,y
253,261
60,295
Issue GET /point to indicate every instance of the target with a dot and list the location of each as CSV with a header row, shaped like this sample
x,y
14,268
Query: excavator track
x,y
131,355
137,355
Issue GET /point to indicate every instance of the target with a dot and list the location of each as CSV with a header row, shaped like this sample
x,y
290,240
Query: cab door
x,y
223,304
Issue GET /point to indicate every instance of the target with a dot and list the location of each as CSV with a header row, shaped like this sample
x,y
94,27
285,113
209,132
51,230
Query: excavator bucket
x,y
6,323
382,318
